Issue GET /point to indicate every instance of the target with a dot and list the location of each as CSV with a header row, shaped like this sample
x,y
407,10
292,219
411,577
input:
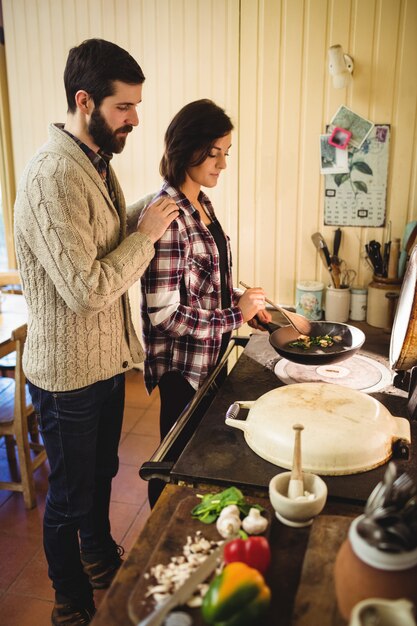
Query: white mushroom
x,y
231,509
254,523
228,525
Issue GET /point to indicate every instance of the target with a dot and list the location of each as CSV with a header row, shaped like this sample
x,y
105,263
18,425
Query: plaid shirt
x,y
101,161
183,321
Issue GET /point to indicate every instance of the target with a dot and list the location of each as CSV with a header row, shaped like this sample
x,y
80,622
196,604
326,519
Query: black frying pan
x,y
281,336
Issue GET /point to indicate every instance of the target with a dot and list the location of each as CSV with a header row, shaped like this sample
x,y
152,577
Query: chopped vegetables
x,y
212,504
166,579
321,341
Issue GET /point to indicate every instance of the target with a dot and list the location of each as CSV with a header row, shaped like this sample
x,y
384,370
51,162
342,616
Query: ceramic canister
x,y
308,301
358,303
379,310
337,305
362,571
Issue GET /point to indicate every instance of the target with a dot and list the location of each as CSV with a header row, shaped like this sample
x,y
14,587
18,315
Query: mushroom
x,y
228,525
231,509
254,523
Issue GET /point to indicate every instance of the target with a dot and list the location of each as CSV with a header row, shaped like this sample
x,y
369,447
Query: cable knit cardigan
x,y
76,262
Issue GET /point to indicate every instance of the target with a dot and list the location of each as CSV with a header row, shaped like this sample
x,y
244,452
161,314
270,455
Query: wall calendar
x,y
357,196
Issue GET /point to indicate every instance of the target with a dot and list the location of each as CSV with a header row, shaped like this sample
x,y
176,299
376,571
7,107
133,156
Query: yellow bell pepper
x,y
238,596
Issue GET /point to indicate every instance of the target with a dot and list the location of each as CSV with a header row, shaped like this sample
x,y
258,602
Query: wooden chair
x,y
15,411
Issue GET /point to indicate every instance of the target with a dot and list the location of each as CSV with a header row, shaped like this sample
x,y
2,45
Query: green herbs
x,y
321,341
212,504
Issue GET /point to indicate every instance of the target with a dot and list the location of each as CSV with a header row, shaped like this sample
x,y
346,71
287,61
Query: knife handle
x,y
336,241
393,258
326,253
327,264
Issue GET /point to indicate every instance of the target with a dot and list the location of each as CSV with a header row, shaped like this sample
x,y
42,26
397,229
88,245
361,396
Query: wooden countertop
x,y
315,547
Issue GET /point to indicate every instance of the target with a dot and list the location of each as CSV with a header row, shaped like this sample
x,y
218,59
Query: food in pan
x,y
321,341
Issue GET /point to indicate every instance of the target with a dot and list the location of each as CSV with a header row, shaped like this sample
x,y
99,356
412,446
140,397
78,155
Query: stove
x,y
213,453
359,372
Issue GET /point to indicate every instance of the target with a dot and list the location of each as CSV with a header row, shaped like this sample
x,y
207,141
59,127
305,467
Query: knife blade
x,y
183,594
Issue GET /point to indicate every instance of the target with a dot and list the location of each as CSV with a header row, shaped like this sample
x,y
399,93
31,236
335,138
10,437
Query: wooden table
x,y
13,314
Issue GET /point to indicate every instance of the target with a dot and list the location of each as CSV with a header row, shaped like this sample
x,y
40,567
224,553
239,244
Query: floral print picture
x,y
357,197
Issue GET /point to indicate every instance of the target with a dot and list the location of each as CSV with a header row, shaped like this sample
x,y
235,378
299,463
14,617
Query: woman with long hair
x,y
189,306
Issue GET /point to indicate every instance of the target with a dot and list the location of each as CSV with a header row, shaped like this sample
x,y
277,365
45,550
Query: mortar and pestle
x,y
297,496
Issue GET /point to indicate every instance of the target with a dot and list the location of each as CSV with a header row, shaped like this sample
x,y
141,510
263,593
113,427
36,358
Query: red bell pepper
x,y
254,551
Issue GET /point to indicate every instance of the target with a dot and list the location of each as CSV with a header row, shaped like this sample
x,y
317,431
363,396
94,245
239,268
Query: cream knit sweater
x,y
76,263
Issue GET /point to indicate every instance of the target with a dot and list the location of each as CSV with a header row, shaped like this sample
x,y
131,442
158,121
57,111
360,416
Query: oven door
x,y
163,459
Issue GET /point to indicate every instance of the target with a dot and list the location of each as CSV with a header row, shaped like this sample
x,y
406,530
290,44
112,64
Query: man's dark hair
x,y
190,137
94,65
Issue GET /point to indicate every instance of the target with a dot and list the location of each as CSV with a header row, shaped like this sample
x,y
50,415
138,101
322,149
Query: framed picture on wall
x,y
332,160
358,126
357,197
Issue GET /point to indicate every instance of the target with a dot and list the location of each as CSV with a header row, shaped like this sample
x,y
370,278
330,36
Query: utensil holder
x,y
362,571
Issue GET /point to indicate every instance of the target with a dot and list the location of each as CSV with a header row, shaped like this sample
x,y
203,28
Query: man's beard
x,y
102,135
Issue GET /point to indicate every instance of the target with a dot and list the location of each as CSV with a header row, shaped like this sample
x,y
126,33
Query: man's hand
x,y
155,218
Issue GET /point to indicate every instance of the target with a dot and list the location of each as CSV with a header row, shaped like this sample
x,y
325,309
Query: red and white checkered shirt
x,y
183,321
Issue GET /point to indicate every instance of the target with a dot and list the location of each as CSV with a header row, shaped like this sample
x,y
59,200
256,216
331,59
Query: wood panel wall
x,y
286,99
265,62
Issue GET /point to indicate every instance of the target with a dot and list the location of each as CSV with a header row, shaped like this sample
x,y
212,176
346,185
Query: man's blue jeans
x,y
81,432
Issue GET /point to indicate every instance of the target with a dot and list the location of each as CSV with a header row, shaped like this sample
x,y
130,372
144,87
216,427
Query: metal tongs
x,y
203,571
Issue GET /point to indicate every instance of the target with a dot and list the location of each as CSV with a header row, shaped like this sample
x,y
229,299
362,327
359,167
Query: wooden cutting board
x,y
315,602
181,526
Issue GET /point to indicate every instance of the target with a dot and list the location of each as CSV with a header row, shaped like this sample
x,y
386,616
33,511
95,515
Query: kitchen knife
x,y
183,594
336,242
376,257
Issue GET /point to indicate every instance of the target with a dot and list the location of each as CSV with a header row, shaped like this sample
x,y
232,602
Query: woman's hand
x,y
155,218
251,302
264,317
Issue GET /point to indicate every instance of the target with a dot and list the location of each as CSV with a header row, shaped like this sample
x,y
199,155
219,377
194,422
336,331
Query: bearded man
x,y
79,250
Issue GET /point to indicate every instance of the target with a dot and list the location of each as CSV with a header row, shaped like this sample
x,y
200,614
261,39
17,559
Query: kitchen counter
x,y
217,456
314,605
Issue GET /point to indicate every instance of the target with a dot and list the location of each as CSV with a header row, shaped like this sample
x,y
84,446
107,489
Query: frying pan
x,y
281,336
